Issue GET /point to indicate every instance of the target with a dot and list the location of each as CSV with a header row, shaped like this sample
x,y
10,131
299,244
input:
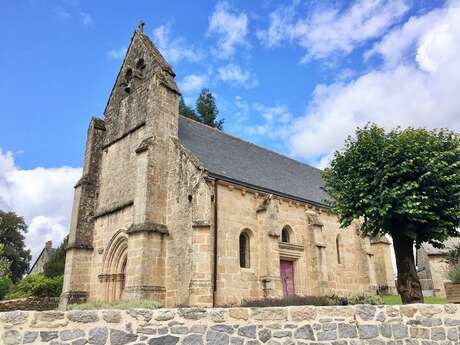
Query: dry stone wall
x,y
30,303
345,325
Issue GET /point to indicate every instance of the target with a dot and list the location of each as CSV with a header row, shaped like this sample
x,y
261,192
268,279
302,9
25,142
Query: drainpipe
x,y
214,284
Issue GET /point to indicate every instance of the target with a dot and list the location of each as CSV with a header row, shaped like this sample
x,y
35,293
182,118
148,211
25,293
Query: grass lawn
x,y
396,299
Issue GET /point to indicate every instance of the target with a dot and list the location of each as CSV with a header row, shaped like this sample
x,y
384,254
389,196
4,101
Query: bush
x,y
37,285
5,285
365,299
287,301
313,300
453,255
454,274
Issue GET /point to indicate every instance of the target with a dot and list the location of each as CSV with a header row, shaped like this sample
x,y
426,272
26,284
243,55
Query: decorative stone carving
x,y
313,219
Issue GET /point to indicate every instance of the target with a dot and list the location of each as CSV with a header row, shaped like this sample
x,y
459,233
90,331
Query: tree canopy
x,y
5,280
56,263
12,230
206,110
405,183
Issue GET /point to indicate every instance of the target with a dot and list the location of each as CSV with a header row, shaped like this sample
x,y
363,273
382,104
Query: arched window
x,y
244,250
337,245
285,235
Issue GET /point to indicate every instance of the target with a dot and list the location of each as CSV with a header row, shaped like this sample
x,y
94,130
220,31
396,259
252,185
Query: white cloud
x,y
117,53
193,82
174,49
43,196
417,88
235,75
399,44
276,121
332,30
230,26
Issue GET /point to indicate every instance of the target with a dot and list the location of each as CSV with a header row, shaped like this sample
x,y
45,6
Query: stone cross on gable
x,y
141,26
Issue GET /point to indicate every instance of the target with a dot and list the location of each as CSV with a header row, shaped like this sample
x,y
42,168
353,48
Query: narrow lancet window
x,y
244,250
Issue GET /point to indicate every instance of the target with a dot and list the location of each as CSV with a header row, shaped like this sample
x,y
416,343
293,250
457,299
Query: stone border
x,y
417,324
30,303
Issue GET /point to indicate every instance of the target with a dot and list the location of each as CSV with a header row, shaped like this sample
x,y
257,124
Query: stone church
x,y
172,210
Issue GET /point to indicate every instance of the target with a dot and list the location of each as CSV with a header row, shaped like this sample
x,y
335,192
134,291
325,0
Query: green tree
x,y
207,110
405,183
37,285
56,263
187,111
12,228
453,255
5,280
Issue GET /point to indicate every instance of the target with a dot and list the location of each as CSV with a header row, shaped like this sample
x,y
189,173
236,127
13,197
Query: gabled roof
x,y
232,159
45,251
449,244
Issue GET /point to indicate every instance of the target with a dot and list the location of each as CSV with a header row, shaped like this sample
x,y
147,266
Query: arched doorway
x,y
123,278
115,263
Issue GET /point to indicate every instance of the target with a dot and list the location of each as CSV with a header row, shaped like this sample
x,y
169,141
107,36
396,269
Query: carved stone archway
x,y
113,276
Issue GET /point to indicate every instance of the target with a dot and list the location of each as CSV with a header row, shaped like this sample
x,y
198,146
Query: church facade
x,y
172,210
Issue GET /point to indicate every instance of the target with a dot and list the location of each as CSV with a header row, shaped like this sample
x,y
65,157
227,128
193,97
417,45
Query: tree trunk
x,y
408,284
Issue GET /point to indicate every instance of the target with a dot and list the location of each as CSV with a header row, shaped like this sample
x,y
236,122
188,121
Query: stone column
x,y
146,236
201,288
80,245
369,261
385,278
267,214
319,245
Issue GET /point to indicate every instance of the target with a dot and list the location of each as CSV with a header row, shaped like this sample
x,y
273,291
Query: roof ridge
x,y
248,142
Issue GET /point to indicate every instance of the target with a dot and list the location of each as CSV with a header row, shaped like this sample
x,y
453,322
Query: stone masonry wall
x,y
30,303
344,325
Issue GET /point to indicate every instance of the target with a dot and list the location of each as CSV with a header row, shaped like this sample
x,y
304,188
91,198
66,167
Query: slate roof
x,y
233,159
449,244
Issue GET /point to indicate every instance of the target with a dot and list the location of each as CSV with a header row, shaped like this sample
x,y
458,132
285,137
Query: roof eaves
x,y
267,190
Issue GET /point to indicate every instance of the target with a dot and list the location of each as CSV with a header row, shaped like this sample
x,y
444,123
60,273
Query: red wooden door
x,y
287,277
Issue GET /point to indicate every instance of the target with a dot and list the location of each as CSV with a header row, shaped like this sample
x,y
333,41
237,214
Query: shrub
x,y
453,255
37,285
5,285
313,300
287,301
365,299
454,274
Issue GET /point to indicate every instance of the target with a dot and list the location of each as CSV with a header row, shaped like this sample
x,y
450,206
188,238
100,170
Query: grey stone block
x,y
304,332
164,340
193,339
223,328
48,335
29,337
399,330
347,331
98,335
265,335
118,337
248,331
11,337
438,333
368,331
82,316
70,334
217,338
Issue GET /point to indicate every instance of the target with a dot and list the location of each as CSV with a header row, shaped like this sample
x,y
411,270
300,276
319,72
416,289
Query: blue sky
x,y
296,77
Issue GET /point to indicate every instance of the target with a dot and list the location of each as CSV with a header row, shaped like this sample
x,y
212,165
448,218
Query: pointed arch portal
x,y
115,261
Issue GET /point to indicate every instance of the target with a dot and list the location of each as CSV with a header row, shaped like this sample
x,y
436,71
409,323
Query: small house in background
x,y
42,259
432,267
